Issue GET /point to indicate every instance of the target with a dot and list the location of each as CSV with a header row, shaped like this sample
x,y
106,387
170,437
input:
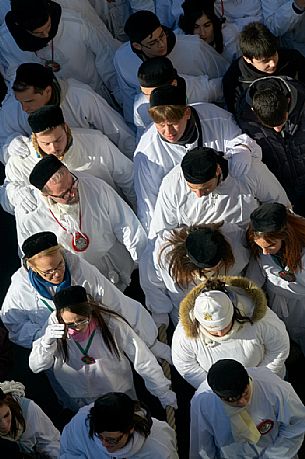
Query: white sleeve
x,y
279,16
265,187
70,445
138,5
39,426
22,330
128,92
125,225
42,355
291,420
202,445
144,362
275,340
165,213
184,359
156,298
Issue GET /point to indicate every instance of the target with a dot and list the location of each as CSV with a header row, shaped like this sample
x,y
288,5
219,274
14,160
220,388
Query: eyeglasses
x,y
50,272
162,37
80,323
68,191
110,441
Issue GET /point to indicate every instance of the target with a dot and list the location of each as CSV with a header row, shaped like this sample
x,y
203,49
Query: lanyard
x,y
86,358
47,304
80,241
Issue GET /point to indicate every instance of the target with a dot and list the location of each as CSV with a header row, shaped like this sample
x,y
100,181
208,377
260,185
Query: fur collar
x,y
237,285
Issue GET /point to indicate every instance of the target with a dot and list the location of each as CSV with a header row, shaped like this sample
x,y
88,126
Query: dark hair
x,y
17,416
293,237
193,10
257,42
180,267
96,311
132,418
33,75
270,106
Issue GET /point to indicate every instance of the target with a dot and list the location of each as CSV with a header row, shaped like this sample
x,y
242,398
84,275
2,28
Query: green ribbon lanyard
x,y
86,359
47,305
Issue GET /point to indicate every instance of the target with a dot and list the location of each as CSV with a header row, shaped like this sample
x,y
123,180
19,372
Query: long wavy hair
x,y
180,267
96,311
16,412
292,236
193,10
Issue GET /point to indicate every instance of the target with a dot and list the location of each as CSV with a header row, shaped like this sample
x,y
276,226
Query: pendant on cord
x,y
88,360
80,242
55,66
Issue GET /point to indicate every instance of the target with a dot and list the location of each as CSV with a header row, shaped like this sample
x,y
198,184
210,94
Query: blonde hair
x,y
50,251
48,131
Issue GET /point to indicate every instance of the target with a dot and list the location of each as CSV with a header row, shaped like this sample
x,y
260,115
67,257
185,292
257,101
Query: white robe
x,y
90,152
284,22
240,12
116,236
40,435
272,399
232,201
285,298
265,343
79,48
107,373
24,311
154,157
75,441
190,56
162,294
81,106
4,9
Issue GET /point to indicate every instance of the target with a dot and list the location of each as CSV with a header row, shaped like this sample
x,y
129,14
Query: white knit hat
x,y
213,310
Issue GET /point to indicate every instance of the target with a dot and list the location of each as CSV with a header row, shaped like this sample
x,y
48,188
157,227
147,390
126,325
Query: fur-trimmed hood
x,y
246,296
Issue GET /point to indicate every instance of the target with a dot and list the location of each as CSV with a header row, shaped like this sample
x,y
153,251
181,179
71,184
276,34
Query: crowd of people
x,y
155,146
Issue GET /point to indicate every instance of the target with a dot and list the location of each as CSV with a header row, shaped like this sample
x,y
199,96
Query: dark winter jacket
x,y
240,75
283,152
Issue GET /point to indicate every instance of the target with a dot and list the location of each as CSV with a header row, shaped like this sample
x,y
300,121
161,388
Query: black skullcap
x,y
205,247
228,378
167,95
32,74
30,14
46,117
43,171
140,25
156,72
199,165
269,217
113,412
70,296
38,243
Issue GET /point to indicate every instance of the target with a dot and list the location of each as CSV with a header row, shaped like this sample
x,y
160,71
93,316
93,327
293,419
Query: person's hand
x,y
162,351
53,332
169,399
25,198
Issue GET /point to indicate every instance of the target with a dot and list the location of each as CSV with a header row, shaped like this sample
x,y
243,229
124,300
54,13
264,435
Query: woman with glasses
x,y
90,349
224,317
199,18
48,268
277,241
117,426
184,257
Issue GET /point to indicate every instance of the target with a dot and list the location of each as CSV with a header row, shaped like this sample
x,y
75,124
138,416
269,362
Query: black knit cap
x,y
168,95
38,242
46,117
228,378
269,217
199,165
113,412
156,72
140,25
32,74
43,171
30,14
69,296
205,247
